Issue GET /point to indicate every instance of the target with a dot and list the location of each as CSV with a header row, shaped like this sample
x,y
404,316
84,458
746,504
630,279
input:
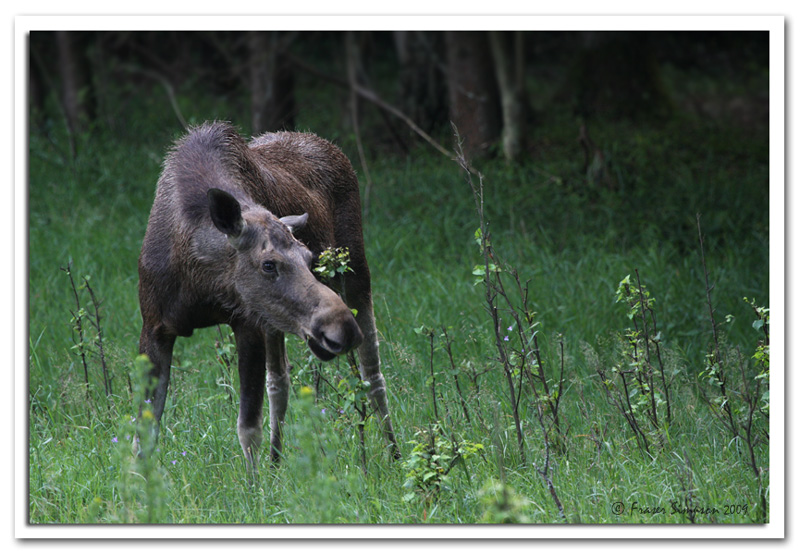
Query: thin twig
x,y
78,318
96,323
371,96
717,357
491,293
433,380
649,373
168,88
449,350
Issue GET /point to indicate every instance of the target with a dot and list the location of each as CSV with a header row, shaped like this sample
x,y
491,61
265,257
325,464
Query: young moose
x,y
224,245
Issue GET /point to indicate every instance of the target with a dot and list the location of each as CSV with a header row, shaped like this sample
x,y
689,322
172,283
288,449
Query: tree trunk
x,y
76,93
39,82
271,83
422,93
508,54
617,76
353,43
474,104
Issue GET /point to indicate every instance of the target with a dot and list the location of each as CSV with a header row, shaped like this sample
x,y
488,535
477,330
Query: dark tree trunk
x,y
422,91
76,93
37,82
271,82
616,75
474,103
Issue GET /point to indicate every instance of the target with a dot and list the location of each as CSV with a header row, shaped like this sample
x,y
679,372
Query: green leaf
x,y
479,237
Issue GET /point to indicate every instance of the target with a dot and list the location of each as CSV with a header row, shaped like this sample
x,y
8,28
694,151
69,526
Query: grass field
x,y
573,242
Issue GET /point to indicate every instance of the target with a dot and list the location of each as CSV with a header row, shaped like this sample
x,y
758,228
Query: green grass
x,y
573,241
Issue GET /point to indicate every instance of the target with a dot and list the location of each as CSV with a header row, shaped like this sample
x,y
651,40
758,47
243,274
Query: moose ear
x,y
295,222
226,213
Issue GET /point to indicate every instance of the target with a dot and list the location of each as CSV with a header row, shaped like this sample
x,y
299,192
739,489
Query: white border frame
x,y
774,24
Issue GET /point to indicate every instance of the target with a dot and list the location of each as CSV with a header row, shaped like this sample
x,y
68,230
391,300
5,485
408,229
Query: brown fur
x,y
214,229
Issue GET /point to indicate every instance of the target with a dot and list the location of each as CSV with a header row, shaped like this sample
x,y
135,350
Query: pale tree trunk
x,y
508,55
356,75
354,71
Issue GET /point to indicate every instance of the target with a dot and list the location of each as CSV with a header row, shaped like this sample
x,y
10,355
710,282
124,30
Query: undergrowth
x,y
530,380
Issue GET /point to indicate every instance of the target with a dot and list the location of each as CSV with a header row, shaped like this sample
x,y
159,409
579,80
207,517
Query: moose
x,y
225,245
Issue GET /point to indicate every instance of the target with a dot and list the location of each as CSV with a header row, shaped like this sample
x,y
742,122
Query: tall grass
x,y
570,241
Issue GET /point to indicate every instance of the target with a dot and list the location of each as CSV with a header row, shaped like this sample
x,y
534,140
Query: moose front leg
x,y
252,373
370,369
278,384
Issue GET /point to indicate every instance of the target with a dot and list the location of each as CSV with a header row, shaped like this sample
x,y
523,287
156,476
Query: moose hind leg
x,y
157,345
252,374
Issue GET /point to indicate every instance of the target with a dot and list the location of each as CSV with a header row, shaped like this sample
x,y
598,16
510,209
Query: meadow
x,y
629,405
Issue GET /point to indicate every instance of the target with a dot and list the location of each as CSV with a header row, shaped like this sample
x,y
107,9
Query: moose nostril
x,y
337,333
331,344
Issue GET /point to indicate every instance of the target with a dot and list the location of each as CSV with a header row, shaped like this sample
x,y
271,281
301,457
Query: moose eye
x,y
269,267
